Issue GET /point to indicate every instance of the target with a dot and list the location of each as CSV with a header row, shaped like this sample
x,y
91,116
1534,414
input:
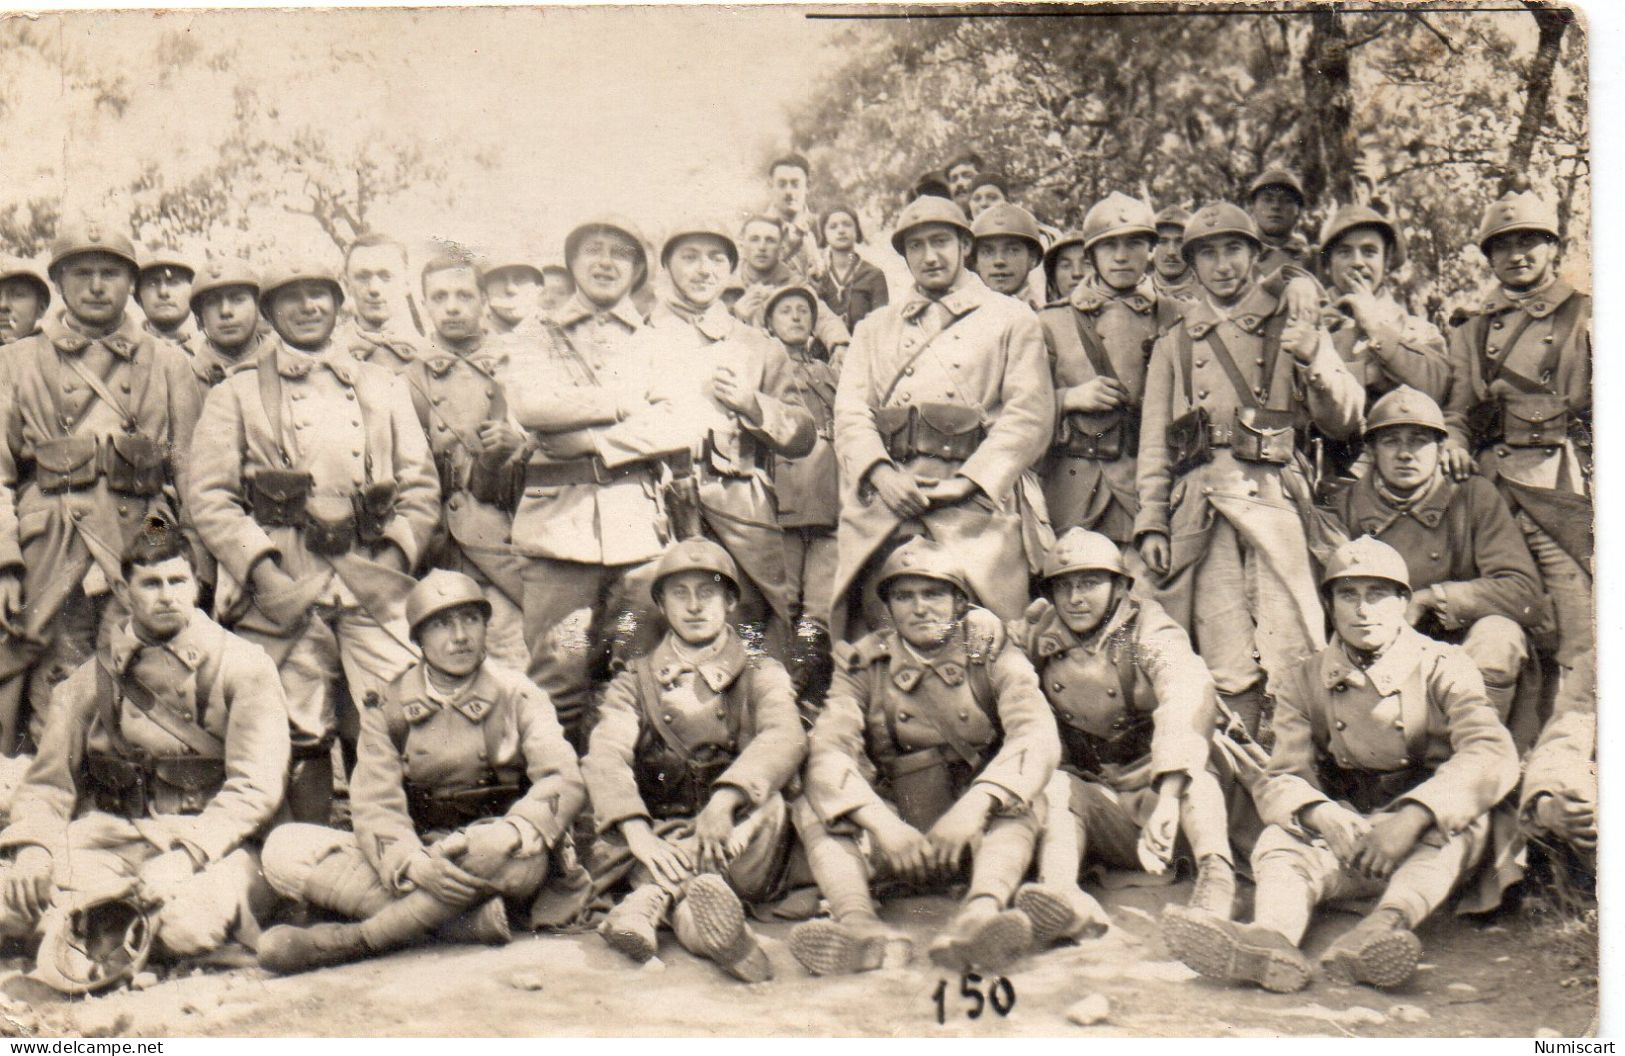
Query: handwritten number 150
x,y
1000,996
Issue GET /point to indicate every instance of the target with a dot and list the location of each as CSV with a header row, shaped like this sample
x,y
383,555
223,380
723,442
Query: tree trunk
x,y
1537,91
1328,127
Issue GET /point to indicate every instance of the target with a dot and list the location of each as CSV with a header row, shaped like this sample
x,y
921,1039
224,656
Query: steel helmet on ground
x,y
929,210
95,939
438,591
925,558
1369,558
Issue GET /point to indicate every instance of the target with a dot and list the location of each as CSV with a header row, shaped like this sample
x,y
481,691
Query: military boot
x,y
1379,951
486,924
982,934
1215,890
1061,911
842,947
632,927
1222,949
710,923
289,949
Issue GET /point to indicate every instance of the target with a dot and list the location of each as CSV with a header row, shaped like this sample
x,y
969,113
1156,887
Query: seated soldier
x,y
689,738
164,755
1558,802
1474,582
1387,761
1135,707
933,748
463,794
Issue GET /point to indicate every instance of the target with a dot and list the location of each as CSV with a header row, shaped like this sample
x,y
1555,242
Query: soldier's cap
x,y
299,271
153,259
1216,220
1010,220
23,268
1067,240
930,210
95,939
1523,211
1405,406
440,591
1352,218
223,273
1276,177
927,559
1172,216
1117,215
695,555
91,236
1080,550
931,185
608,222
1367,558
508,258
694,229
787,291
555,268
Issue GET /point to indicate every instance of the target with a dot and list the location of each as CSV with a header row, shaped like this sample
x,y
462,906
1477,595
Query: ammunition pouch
x,y
436,809
447,466
66,464
1190,441
496,484
1091,754
675,786
1523,420
739,457
330,528
134,464
1367,790
277,497
924,785
138,788
948,431
115,785
1263,435
374,506
184,784
1102,435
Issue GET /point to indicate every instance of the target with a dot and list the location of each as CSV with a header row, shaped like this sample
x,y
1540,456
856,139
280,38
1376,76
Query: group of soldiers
x,y
681,580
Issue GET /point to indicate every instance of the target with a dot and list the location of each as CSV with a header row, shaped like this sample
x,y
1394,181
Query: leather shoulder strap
x,y
649,700
270,388
103,391
1099,361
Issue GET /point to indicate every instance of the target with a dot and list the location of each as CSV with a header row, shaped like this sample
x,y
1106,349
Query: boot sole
x,y
629,943
1384,960
1212,947
1052,918
823,947
719,917
995,945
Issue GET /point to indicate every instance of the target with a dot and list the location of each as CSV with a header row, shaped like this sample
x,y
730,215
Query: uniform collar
x,y
473,702
1092,294
909,667
208,359
1249,313
480,355
1051,637
779,276
1387,675
1540,304
966,295
715,322
578,308
124,341
291,363
1371,514
717,668
184,335
198,639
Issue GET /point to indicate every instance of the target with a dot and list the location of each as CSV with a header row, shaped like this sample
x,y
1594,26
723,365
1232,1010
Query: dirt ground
x,y
1499,979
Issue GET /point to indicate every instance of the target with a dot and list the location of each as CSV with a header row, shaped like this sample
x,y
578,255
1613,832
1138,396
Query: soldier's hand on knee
x,y
905,849
668,863
1568,819
1340,827
437,874
1391,840
714,826
959,832
1456,462
899,491
1156,847
1154,550
28,882
489,847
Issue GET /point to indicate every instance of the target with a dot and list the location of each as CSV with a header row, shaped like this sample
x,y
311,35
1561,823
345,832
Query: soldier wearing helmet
x,y
512,288
1007,247
762,270
1097,340
314,489
462,798
1135,708
851,286
1384,345
558,286
457,390
1171,274
25,293
1065,265
936,742
598,411
163,757
1472,578
225,301
687,766
1231,393
98,424
1275,200
163,288
374,279
722,373
944,406
1387,761
1520,406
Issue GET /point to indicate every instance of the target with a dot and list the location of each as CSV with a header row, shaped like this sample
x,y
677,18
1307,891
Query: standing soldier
x,y
374,271
24,296
735,423
97,425
935,743
1006,249
1520,404
1384,345
163,288
225,299
1220,479
1275,201
761,271
589,523
945,403
1387,761
687,767
1098,342
513,290
789,178
313,488
1135,709
460,402
1065,265
1558,799
164,755
557,287
960,176
1171,275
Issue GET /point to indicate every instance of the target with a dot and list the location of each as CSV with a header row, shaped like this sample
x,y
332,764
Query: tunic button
x,y
1340,687
668,717
1399,724
125,387
1497,324
907,396
1110,692
1201,394
1405,761
435,400
1341,725
722,713
908,370
902,716
1259,361
1434,555
453,502
482,755
356,453
1056,686
964,716
349,395
1201,361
